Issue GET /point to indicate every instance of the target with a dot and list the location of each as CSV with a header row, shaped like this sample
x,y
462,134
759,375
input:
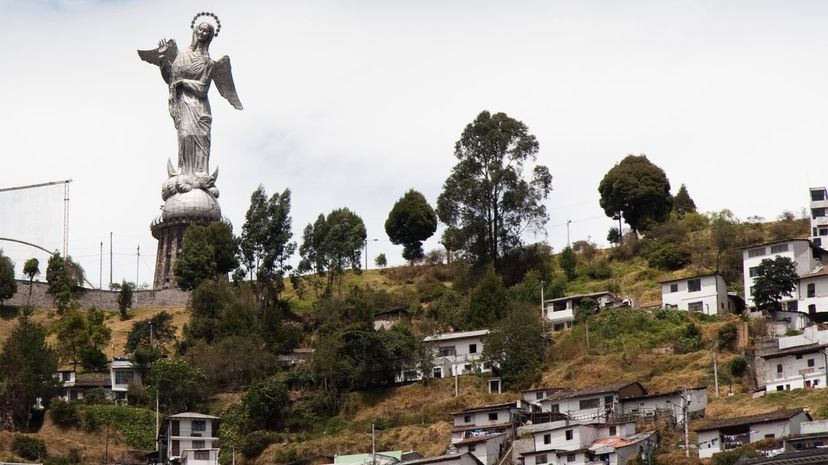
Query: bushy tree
x,y
197,262
265,402
487,301
775,279
516,346
487,202
27,365
31,269
125,299
180,387
410,222
568,262
81,335
381,261
682,203
8,286
637,191
155,331
333,244
64,278
738,367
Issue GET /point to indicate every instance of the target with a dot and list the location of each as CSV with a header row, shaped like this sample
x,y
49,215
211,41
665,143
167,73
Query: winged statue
x,y
189,74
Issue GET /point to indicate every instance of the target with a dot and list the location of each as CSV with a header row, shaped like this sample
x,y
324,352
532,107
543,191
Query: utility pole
x,y
110,260
716,374
543,313
100,269
137,265
456,384
567,232
373,446
684,414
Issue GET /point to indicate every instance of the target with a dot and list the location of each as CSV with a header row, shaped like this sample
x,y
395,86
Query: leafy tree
x,y
666,255
682,203
738,367
568,261
637,191
27,364
80,334
776,278
265,402
486,202
725,241
516,345
254,230
180,386
381,261
31,269
727,336
331,244
410,222
8,286
614,236
155,331
220,235
487,302
125,299
197,262
64,278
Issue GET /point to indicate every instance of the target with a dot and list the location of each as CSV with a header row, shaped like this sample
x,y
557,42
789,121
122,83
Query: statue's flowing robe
x,y
191,111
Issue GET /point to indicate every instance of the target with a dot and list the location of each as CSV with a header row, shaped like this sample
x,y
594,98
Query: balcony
x,y
807,371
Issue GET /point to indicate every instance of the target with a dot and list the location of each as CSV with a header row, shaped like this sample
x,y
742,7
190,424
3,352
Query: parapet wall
x,y
105,300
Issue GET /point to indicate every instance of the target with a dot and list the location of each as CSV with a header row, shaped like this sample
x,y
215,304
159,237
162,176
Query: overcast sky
x,y
352,103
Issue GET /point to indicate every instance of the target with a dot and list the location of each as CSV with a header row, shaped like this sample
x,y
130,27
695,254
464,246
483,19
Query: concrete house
x,y
592,402
805,255
534,396
74,386
819,215
190,438
812,435
796,367
488,448
719,435
487,419
561,311
812,292
668,404
703,293
121,373
457,353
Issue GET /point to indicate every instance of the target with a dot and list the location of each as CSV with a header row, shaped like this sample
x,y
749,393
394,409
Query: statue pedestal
x,y
178,213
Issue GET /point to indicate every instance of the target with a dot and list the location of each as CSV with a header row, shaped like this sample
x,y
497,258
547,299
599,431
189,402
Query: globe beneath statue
x,y
197,204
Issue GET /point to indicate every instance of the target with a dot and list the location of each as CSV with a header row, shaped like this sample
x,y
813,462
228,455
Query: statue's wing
x,y
223,77
163,55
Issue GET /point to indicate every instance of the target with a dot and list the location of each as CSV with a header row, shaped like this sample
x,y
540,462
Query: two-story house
x,y
488,448
582,443
487,419
561,311
457,353
703,293
593,402
719,435
122,372
796,367
190,439
819,215
670,404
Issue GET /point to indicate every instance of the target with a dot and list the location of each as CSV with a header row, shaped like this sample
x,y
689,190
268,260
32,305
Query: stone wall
x,y
106,300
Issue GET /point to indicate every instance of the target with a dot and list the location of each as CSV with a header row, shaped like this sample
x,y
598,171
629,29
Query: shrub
x,y
738,367
95,396
667,256
599,269
64,414
727,336
256,442
91,421
28,447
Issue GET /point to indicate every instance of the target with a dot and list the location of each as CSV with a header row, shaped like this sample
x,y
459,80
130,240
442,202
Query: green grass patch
x,y
136,425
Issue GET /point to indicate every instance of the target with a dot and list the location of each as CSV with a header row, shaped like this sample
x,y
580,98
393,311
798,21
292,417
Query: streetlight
x,y
366,251
567,232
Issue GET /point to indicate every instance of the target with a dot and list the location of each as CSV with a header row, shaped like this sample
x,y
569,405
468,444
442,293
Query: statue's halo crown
x,y
211,15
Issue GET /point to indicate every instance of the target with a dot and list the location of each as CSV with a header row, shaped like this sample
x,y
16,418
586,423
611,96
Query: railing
x,y
734,441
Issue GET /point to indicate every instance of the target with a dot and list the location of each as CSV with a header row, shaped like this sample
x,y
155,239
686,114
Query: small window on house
x,y
437,372
812,310
799,356
558,327
810,362
612,431
779,368
781,247
812,290
817,212
466,367
467,419
67,376
589,403
472,348
674,287
547,439
539,395
471,448
540,459
695,306
758,252
780,388
199,425
817,195
198,444
569,434
555,408
823,231
446,351
753,271
770,436
693,285
571,457
793,306
493,416
201,455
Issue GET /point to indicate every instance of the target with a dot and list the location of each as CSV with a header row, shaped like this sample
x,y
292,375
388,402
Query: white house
x,y
669,404
806,256
819,215
593,402
796,368
457,353
534,396
486,447
122,372
561,311
812,293
190,438
719,435
487,419
704,294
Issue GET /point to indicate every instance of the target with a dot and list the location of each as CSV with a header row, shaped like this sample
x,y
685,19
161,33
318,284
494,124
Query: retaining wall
x,y
103,299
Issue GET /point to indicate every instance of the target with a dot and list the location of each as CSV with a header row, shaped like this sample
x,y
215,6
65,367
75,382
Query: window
x,y
571,457
770,436
539,395
123,377
779,248
198,444
569,434
471,448
466,367
612,431
540,459
66,376
695,306
467,419
201,455
446,351
793,306
199,425
817,195
437,373
811,363
812,290
817,212
589,403
472,348
780,388
779,368
756,252
693,285
812,310
555,408
799,356
754,271
823,231
674,287
493,416
558,327
547,439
